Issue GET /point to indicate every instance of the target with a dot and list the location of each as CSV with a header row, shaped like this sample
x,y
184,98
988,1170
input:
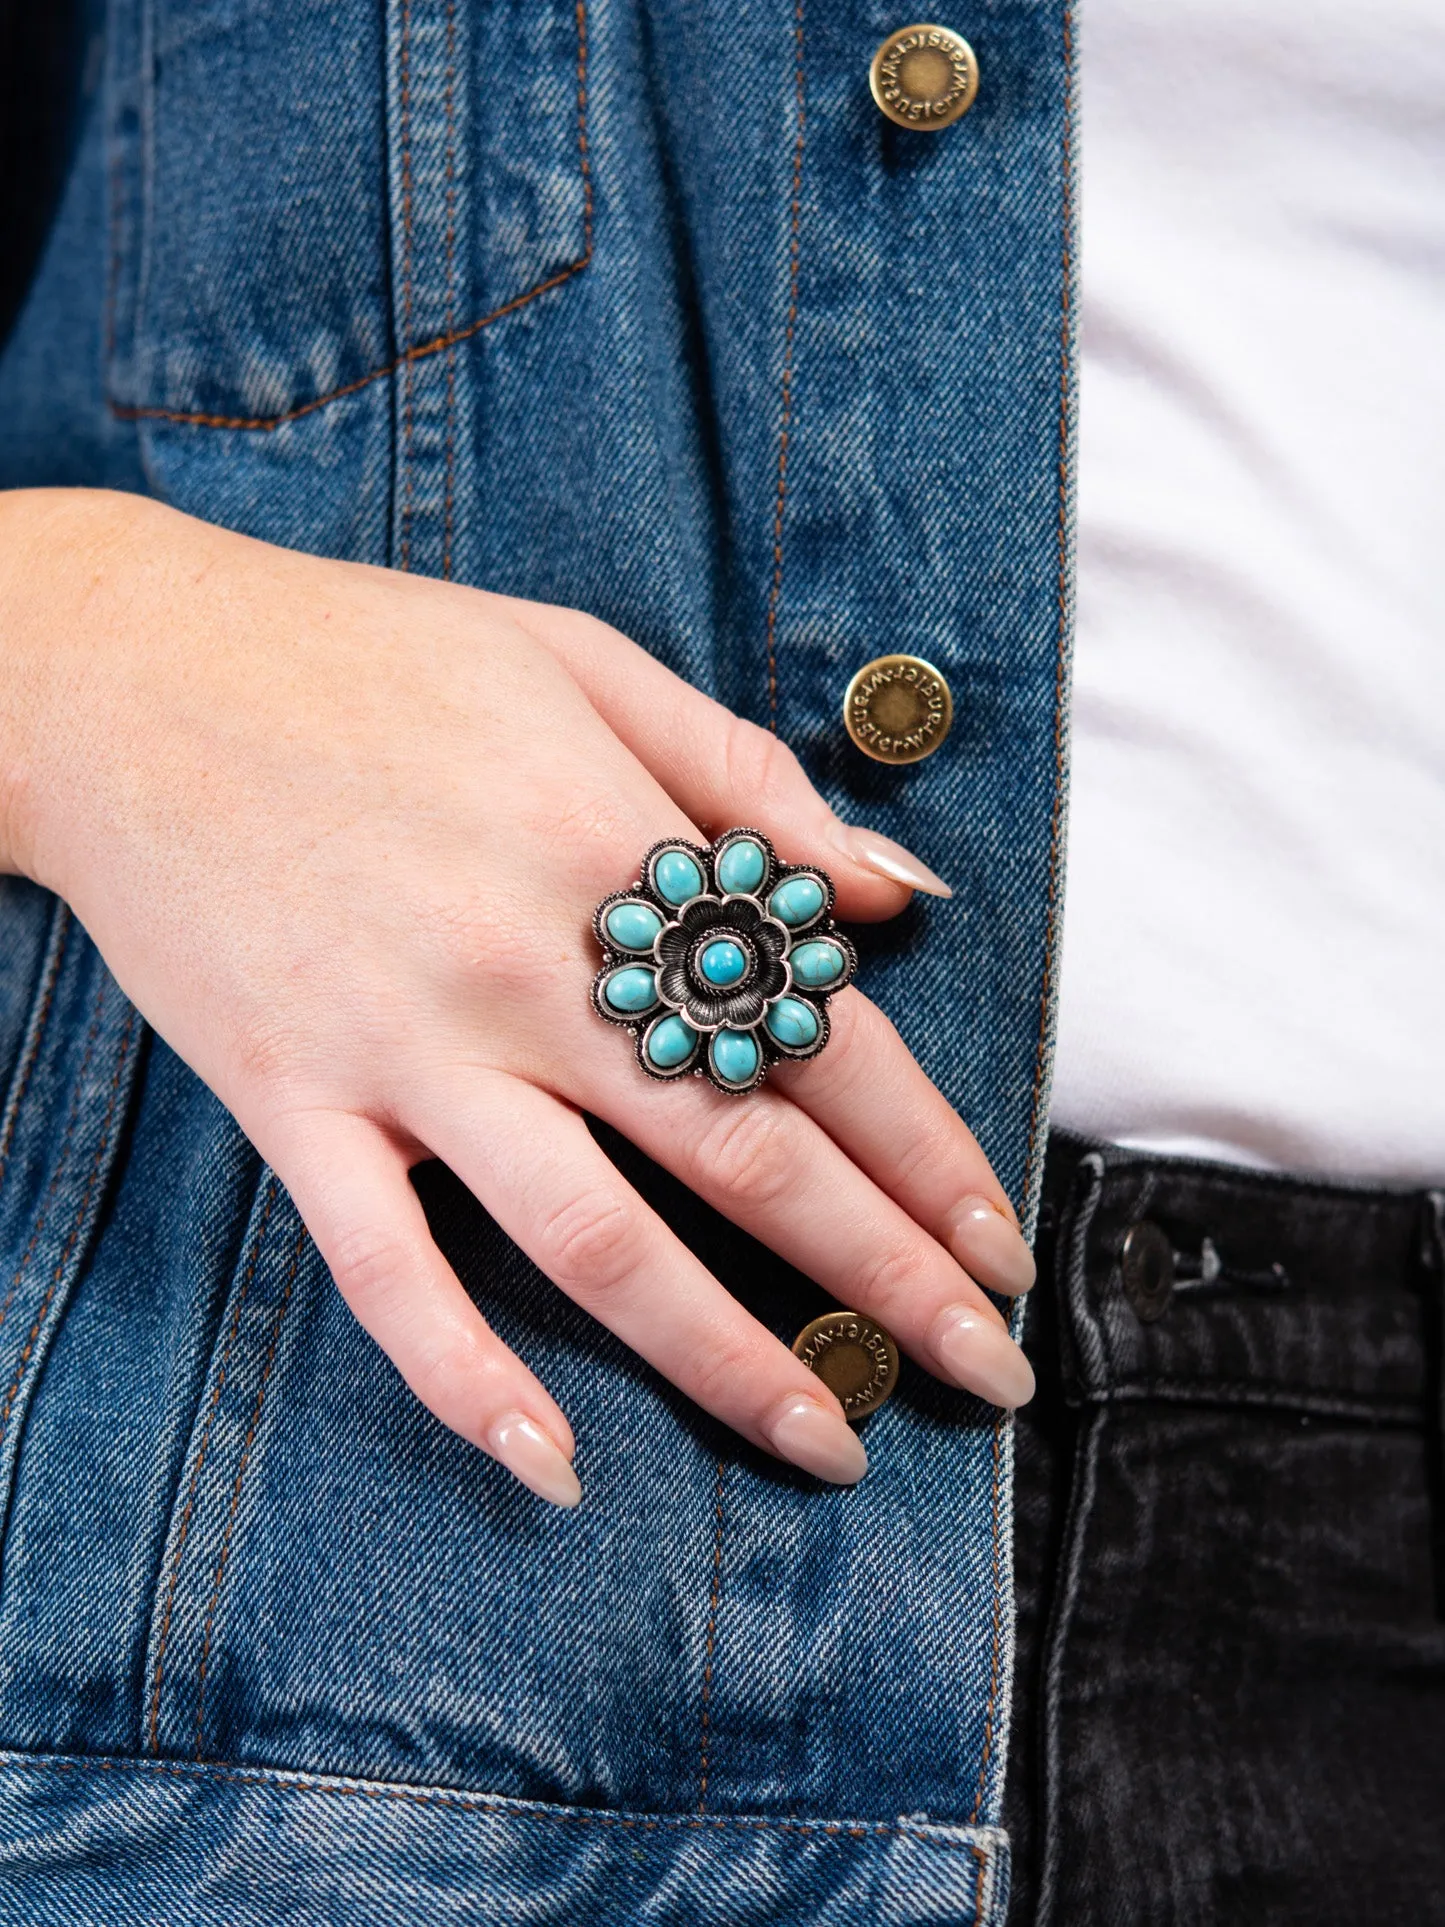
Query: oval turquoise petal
x,y
797,901
677,877
741,867
630,990
632,926
671,1043
722,963
735,1056
818,964
793,1023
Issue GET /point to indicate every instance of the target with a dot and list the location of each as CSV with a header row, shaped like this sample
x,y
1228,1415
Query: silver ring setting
x,y
721,961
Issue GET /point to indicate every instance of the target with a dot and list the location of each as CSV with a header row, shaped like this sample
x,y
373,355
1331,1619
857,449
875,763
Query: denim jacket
x,y
639,306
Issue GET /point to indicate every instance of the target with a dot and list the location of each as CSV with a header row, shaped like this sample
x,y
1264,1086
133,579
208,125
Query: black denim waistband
x,y
1183,1280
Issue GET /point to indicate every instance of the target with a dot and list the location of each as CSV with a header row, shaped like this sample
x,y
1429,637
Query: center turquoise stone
x,y
722,963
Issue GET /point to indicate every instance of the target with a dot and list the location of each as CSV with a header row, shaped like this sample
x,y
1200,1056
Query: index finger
x,y
721,769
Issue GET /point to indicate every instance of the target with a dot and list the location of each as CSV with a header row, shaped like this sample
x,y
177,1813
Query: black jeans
x,y
1231,1670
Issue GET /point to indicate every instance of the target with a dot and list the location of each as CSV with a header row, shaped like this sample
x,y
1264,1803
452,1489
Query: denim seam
x,y
789,339
493,1803
705,1719
45,997
1268,1394
449,503
153,1737
998,1431
68,1248
1081,1507
407,199
61,1161
1061,662
266,424
241,1469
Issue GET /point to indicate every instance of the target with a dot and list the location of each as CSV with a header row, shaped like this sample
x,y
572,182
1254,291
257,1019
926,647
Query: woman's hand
x,y
339,832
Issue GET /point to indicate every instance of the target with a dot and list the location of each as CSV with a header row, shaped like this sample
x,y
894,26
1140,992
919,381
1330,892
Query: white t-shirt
x,y
1254,930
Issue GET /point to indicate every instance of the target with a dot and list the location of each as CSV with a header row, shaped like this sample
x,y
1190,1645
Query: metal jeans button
x,y
898,709
924,77
855,1358
1147,1264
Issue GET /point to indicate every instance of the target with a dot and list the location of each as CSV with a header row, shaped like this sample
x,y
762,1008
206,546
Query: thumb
x,y
720,769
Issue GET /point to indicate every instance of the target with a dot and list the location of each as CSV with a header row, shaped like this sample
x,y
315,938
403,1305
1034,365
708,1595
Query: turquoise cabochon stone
x,y
741,867
722,963
817,964
797,901
735,1055
671,1043
793,1023
632,926
630,990
677,877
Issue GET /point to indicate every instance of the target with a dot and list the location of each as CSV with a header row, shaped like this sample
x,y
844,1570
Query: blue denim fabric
x,y
641,308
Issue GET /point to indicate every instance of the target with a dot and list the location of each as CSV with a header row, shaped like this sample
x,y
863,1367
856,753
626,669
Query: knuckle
x,y
589,1245
893,1281
590,831
717,1376
745,1155
370,1265
264,1054
759,766
928,1150
849,1058
490,940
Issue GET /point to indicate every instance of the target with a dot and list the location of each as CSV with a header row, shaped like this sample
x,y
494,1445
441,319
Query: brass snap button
x,y
855,1358
1147,1265
924,77
898,709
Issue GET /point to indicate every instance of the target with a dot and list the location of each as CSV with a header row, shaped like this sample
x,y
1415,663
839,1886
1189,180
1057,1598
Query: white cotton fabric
x,y
1254,931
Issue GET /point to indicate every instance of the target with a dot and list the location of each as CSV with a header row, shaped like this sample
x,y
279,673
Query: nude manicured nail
x,y
979,1355
524,1448
888,859
990,1247
818,1441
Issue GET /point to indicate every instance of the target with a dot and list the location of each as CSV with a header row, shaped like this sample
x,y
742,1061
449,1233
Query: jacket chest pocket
x,y
307,198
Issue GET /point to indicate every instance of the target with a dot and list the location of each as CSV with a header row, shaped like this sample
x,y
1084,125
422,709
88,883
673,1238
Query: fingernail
x,y
524,1448
979,1355
990,1247
817,1440
888,859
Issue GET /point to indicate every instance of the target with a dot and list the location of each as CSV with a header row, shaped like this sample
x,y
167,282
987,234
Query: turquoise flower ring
x,y
721,961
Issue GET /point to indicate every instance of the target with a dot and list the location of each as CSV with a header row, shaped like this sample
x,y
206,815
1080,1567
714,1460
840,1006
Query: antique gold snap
x,y
855,1358
898,709
924,77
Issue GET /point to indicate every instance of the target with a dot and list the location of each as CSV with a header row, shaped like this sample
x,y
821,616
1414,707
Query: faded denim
x,y
642,309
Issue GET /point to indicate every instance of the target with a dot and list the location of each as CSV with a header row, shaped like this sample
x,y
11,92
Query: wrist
x,y
59,554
